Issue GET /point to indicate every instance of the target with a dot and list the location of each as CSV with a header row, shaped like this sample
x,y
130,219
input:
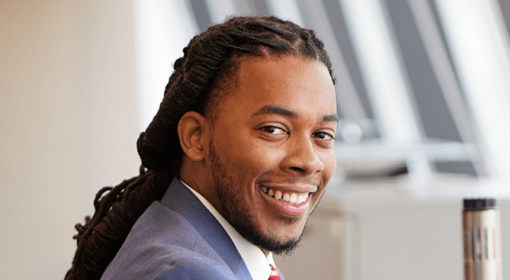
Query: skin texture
x,y
274,131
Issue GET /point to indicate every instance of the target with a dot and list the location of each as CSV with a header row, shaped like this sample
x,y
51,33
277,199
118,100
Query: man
x,y
233,164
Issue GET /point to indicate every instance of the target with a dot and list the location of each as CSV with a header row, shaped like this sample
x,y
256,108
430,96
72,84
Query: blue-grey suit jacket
x,y
177,238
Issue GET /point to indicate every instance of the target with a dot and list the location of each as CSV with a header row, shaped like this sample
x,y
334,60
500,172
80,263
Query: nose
x,y
302,158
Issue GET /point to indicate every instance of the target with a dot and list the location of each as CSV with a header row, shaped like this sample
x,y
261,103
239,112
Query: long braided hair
x,y
207,60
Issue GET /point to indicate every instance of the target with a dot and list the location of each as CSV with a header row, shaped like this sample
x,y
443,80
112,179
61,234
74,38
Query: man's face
x,y
271,152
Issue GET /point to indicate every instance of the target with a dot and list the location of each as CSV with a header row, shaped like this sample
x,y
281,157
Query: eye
x,y
324,136
274,130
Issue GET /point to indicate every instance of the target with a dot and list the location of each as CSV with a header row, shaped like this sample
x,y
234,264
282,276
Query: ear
x,y
191,129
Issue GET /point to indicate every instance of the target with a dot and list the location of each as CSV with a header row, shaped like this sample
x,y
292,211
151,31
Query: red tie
x,y
274,274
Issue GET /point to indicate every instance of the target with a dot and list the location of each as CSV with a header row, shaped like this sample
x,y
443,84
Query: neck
x,y
266,252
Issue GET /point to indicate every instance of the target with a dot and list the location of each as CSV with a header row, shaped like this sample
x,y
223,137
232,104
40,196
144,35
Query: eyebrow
x,y
273,109
331,118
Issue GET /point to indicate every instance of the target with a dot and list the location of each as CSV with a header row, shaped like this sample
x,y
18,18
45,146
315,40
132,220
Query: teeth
x,y
277,195
292,198
301,198
270,192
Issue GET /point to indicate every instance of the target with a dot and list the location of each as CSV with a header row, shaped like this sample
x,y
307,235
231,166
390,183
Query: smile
x,y
288,197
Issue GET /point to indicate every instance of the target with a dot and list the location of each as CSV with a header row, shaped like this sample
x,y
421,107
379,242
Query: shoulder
x,y
164,245
197,268
170,263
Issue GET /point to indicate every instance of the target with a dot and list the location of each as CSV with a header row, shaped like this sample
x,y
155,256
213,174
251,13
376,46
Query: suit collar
x,y
180,199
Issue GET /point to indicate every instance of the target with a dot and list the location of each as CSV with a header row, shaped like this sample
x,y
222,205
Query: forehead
x,y
289,82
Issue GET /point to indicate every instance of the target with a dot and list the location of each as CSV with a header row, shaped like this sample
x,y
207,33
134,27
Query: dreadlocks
x,y
207,60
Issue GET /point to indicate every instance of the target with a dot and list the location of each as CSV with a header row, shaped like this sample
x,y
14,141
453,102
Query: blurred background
x,y
423,90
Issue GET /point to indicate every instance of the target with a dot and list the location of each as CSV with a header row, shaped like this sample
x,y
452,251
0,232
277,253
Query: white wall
x,y
69,123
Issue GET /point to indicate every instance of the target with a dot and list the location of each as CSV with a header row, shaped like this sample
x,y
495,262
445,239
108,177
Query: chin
x,y
283,246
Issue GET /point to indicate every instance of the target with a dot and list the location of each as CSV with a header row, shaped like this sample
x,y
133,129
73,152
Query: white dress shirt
x,y
256,261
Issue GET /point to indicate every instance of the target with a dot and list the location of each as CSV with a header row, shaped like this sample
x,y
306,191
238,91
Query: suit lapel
x,y
180,199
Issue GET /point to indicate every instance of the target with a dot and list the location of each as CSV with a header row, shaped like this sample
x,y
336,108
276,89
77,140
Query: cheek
x,y
254,161
329,160
248,154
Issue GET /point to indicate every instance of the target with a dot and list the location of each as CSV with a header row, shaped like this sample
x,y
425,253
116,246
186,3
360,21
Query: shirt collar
x,y
255,260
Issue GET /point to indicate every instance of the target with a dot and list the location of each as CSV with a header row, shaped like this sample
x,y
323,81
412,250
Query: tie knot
x,y
274,274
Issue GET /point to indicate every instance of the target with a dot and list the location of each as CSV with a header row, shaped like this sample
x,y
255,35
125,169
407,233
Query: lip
x,y
294,210
286,209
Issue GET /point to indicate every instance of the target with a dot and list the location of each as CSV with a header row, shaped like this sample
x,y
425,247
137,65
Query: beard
x,y
234,209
